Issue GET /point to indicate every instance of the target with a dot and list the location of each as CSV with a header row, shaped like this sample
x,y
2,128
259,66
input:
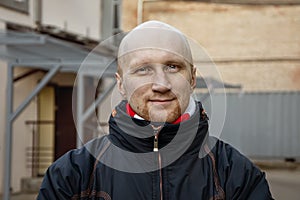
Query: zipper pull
x,y
155,143
156,133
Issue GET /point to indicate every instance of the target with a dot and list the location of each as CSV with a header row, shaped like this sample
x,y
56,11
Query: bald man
x,y
158,145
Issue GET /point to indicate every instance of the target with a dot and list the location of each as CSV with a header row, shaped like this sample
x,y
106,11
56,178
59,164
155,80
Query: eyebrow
x,y
136,63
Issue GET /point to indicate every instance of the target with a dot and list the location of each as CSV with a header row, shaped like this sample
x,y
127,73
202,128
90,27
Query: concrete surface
x,y
23,197
284,184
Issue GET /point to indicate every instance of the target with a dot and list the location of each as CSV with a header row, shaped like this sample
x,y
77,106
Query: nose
x,y
161,83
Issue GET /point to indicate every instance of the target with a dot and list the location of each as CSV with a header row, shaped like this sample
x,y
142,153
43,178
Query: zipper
x,y
160,177
155,149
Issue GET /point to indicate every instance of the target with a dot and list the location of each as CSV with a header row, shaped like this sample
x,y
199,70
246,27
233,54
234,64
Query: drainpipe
x,y
140,9
37,16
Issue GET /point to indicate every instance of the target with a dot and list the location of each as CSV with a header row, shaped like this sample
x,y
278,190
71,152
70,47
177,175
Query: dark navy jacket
x,y
189,165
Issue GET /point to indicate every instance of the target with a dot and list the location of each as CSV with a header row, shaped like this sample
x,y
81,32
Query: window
x,y
18,5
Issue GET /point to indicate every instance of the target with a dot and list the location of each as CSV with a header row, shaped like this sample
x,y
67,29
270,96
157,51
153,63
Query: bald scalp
x,y
154,35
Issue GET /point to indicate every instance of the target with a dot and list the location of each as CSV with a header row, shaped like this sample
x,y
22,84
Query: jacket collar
x,y
137,135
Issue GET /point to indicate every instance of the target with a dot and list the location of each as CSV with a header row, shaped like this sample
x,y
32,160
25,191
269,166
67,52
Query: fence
x,y
39,157
262,124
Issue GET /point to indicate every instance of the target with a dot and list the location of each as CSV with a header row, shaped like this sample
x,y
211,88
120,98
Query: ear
x,y
193,78
120,84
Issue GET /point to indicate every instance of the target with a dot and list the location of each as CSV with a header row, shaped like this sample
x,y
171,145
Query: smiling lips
x,y
161,101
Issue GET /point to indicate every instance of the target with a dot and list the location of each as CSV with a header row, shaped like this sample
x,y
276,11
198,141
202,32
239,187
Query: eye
x,y
143,70
172,68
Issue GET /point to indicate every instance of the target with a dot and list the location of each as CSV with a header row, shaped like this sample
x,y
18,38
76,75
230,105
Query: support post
x,y
80,108
8,136
38,88
92,107
82,114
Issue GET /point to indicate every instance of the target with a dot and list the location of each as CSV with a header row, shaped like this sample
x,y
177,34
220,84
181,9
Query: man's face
x,y
156,83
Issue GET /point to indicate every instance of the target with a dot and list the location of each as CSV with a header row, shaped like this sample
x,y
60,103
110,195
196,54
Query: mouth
x,y
161,101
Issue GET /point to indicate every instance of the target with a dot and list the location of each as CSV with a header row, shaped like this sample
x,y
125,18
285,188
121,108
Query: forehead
x,y
155,38
154,56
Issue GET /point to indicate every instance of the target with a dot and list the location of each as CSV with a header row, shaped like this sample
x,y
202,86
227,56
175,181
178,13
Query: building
x,y
254,44
42,46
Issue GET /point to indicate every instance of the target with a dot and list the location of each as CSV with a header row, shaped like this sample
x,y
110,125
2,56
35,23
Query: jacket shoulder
x,y
241,178
70,174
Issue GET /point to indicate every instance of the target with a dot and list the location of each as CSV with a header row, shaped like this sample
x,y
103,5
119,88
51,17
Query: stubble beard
x,y
157,113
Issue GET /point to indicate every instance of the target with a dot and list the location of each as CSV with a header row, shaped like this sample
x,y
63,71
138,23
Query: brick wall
x,y
257,46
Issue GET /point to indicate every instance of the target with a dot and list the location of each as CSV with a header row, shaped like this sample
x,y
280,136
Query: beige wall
x,y
18,17
22,133
263,41
75,16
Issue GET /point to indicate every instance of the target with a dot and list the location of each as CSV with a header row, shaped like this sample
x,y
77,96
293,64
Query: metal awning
x,y
43,51
34,50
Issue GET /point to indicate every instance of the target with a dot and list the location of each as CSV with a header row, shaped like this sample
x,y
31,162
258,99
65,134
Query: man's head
x,y
155,71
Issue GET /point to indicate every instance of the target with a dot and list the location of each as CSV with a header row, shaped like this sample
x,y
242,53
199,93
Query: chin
x,y
161,116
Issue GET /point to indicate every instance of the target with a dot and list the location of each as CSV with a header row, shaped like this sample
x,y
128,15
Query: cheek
x,y
181,85
182,89
135,90
129,86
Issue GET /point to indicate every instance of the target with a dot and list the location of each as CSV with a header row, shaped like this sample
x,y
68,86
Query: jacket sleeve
x,y
61,180
244,179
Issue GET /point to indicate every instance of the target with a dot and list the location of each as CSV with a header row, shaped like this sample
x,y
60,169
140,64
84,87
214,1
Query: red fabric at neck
x,y
182,118
129,110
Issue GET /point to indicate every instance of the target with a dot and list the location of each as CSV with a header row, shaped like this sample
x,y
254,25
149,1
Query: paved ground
x,y
23,197
284,184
